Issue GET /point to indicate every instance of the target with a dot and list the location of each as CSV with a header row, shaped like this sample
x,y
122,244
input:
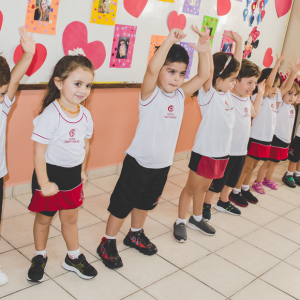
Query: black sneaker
x,y
206,211
249,196
202,226
107,250
289,180
37,269
139,241
80,266
179,232
297,179
238,199
227,207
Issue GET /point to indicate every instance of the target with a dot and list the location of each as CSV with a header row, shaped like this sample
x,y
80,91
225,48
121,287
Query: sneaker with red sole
x,y
249,196
238,199
107,250
139,241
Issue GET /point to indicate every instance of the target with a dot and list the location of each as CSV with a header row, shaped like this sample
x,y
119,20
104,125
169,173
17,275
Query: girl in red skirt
x,y
61,144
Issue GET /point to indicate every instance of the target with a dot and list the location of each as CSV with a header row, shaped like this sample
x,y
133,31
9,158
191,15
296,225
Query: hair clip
x,y
76,52
227,63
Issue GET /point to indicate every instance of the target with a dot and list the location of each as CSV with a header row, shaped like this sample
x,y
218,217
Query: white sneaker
x,y
3,278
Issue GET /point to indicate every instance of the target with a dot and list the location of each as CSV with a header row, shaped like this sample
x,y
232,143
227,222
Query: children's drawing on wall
x,y
42,11
251,43
191,7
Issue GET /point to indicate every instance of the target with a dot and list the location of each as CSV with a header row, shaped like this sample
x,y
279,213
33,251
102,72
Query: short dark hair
x,y
248,69
177,54
4,72
265,73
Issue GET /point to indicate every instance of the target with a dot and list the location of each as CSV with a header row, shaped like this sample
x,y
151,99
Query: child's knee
x,y
42,220
69,220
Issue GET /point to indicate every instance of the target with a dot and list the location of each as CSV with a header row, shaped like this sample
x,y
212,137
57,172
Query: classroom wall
x,y
115,115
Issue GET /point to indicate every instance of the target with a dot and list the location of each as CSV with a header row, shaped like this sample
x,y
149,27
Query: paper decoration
x,y
211,23
268,59
135,8
104,12
176,21
265,2
283,7
224,7
172,1
228,44
41,16
263,14
37,60
76,36
253,13
191,7
156,41
190,51
1,19
246,12
251,43
123,45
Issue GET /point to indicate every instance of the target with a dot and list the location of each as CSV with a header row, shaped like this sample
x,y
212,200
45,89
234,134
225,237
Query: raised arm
x,y
238,52
272,76
203,48
28,45
287,85
255,108
157,62
208,83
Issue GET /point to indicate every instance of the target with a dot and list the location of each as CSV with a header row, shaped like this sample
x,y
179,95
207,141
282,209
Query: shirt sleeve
x,y
7,104
204,98
45,125
90,127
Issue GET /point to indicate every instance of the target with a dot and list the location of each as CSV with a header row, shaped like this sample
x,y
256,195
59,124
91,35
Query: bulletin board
x,y
101,27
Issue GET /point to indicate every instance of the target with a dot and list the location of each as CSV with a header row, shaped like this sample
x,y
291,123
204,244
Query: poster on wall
x,y
41,16
191,7
211,23
104,12
123,45
156,41
190,51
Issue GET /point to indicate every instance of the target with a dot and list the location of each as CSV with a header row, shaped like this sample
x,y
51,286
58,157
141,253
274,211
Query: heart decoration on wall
x,y
1,19
176,21
37,60
135,8
283,7
76,36
268,59
224,7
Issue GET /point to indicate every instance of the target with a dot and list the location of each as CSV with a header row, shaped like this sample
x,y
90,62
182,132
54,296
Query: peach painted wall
x,y
115,116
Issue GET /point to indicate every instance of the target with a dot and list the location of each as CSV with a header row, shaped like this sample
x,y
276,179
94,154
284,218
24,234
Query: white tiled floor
x,y
252,257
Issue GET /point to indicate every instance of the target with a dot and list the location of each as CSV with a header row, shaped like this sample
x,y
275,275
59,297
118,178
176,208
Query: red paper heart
x,y
135,8
283,7
176,21
263,14
38,58
268,59
1,19
224,7
76,36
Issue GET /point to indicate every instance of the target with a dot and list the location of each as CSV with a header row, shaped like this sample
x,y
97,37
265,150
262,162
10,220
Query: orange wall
x,y
115,116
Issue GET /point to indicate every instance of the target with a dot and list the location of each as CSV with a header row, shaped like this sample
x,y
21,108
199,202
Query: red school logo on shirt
x,y
292,114
226,103
171,108
72,132
246,112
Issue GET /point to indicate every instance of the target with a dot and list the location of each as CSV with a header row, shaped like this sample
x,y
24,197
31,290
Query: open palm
x,y
203,44
27,42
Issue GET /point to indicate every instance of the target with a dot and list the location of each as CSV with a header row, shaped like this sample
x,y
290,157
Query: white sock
x,y
290,173
178,221
297,173
198,218
245,187
74,254
44,253
110,237
135,229
236,191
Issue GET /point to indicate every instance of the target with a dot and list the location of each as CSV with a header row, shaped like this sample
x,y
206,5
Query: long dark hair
x,y
62,70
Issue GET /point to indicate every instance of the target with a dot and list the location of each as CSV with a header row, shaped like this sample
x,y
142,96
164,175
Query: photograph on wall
x,y
228,45
41,16
211,23
191,7
123,45
104,12
156,41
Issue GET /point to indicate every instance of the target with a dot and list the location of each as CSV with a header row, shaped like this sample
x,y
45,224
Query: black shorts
x,y
1,197
294,151
138,187
231,176
259,150
279,150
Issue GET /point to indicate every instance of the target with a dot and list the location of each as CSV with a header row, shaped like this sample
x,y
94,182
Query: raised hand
x,y
234,36
203,44
261,87
176,35
280,58
295,68
27,42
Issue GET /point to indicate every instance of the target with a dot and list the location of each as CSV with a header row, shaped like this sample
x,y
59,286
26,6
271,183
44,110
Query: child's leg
x,y
225,193
292,166
263,170
270,171
298,166
138,218
41,231
113,225
249,166
208,197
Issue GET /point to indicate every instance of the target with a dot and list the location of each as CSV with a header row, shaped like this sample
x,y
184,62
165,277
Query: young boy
x,y
245,110
150,155
9,83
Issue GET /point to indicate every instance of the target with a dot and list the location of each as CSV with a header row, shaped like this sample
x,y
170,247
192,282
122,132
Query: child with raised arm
x,y
213,140
150,155
262,131
245,110
9,83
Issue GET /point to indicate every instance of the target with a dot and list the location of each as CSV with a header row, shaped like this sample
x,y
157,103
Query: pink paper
x,y
123,45
228,44
1,19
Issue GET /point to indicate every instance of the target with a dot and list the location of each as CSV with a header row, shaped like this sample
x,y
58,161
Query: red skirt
x,y
259,150
279,150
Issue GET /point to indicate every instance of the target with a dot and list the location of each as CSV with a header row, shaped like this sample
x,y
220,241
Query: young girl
x,y
61,144
262,131
212,144
286,97
9,83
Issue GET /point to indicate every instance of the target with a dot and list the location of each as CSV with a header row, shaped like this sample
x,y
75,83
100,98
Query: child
x,y
245,110
9,83
261,136
287,96
212,144
61,144
148,159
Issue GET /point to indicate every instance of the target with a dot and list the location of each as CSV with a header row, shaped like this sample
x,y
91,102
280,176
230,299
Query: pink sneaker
x,y
257,186
270,183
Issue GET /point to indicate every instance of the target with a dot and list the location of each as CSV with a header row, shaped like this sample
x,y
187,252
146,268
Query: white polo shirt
x,y
5,107
157,133
64,136
214,135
